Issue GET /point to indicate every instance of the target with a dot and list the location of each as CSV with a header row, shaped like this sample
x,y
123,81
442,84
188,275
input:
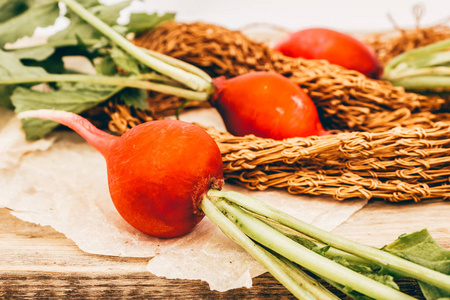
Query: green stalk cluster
x,y
269,236
422,69
198,83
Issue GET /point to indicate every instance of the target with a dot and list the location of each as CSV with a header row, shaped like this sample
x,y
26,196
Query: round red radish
x,y
334,46
267,105
158,172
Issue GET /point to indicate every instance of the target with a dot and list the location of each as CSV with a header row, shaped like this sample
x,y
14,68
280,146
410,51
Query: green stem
x,y
192,81
233,232
418,52
385,259
132,82
421,69
274,240
432,71
54,44
330,253
310,284
89,42
179,64
424,83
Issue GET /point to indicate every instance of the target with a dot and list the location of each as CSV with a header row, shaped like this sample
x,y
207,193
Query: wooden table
x,y
39,263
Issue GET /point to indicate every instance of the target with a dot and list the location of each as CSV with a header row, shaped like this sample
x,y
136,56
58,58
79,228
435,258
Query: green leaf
x,y
110,13
372,271
53,64
134,98
106,66
78,27
5,96
368,271
83,30
38,53
125,61
421,248
11,66
10,9
73,97
38,61
32,14
141,21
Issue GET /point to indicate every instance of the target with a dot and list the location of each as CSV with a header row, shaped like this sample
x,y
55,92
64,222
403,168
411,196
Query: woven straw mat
x,y
391,144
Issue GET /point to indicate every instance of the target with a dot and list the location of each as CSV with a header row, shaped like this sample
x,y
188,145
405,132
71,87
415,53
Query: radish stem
x,y
416,53
385,259
164,58
274,240
424,83
179,64
97,138
303,279
234,233
421,69
190,80
132,81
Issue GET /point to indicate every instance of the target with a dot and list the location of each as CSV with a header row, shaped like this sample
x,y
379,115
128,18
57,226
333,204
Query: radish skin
x,y
336,47
267,105
158,171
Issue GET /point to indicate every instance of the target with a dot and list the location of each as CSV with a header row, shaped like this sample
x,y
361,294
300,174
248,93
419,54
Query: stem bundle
x,y
189,76
422,69
257,227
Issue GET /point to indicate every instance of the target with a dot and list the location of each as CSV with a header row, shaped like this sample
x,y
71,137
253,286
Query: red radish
x,y
267,105
158,171
336,47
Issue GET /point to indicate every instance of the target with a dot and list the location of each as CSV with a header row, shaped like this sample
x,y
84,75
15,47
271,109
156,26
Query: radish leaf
x,y
124,61
32,14
73,97
142,22
421,248
10,9
11,67
93,33
134,98
78,27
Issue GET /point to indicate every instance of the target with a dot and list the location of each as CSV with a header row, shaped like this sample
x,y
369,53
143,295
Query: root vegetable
x,y
157,172
334,46
267,105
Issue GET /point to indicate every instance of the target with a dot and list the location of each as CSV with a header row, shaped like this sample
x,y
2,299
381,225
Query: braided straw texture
x,y
392,145
387,45
346,99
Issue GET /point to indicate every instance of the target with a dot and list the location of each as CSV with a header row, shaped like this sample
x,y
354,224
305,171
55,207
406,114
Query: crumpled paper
x,y
61,181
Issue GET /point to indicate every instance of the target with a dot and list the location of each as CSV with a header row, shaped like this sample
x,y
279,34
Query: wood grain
x,y
37,262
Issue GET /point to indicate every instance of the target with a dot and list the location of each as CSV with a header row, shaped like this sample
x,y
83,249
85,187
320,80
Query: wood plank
x,y
380,222
39,263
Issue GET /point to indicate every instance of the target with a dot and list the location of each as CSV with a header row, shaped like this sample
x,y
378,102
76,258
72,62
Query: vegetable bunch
x,y
424,69
164,176
94,34
127,71
149,161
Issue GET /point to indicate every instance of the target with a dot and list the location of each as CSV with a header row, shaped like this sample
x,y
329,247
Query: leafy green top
x,y
22,69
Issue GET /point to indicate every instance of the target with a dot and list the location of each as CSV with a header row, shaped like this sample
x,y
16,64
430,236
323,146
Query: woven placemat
x,y
391,144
